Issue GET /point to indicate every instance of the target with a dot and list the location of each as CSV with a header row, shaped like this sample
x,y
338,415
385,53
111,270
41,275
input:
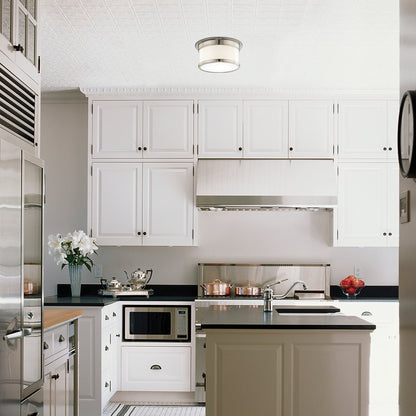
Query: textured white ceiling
x,y
288,44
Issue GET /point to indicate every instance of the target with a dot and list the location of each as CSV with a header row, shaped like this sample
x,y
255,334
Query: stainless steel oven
x,y
157,323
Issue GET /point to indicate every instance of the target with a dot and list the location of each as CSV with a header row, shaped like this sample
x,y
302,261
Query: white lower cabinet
x,y
384,356
99,352
156,368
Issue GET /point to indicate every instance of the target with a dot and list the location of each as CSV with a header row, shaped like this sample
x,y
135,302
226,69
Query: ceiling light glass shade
x,y
218,54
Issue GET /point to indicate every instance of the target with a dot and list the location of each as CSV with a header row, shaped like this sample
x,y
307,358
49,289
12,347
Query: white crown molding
x,y
64,96
201,92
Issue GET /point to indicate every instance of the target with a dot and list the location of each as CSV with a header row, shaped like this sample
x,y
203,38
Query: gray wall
x,y
272,237
407,256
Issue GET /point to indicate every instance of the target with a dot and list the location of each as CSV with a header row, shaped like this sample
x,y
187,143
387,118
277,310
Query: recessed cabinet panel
x,y
220,129
311,129
117,129
363,129
392,123
266,129
116,203
168,203
155,368
393,213
362,205
167,129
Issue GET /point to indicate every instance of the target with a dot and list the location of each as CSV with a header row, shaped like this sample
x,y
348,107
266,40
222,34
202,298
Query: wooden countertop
x,y
54,317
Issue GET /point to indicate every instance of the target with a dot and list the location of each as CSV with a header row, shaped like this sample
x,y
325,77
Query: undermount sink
x,y
306,310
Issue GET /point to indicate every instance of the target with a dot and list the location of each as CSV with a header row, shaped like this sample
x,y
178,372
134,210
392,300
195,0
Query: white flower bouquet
x,y
74,249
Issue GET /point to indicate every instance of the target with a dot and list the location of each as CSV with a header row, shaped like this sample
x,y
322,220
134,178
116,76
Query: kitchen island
x,y
285,364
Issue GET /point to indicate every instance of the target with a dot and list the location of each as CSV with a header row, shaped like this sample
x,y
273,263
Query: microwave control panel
x,y
182,323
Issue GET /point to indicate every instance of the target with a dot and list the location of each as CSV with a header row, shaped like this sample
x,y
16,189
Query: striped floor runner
x,y
120,409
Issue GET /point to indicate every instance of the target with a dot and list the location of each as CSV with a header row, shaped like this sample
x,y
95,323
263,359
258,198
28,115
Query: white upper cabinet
x,y
117,129
168,129
19,35
368,205
265,129
116,217
142,129
367,129
311,129
142,204
220,129
168,204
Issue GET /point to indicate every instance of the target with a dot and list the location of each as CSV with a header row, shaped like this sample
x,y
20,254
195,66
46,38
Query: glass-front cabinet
x,y
19,30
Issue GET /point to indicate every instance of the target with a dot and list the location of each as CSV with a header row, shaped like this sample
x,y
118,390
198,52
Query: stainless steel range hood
x,y
265,184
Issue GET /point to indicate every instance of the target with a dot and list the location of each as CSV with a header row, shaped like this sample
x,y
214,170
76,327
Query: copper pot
x,y
248,290
216,288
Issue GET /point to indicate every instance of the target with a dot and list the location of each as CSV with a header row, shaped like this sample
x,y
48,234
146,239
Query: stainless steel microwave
x,y
157,323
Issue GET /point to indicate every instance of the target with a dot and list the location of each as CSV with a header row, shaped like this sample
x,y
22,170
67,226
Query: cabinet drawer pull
x,y
114,314
107,384
61,338
106,317
118,335
155,367
18,48
366,313
55,376
45,346
34,414
106,348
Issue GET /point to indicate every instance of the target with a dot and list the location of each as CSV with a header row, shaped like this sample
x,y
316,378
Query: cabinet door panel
x,y
168,129
266,129
116,203
220,129
168,203
393,117
156,368
117,129
393,213
362,205
61,394
362,129
311,129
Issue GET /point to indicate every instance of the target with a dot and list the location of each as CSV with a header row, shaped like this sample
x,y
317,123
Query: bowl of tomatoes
x,y
351,286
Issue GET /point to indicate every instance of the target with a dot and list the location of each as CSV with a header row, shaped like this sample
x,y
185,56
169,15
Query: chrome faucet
x,y
268,295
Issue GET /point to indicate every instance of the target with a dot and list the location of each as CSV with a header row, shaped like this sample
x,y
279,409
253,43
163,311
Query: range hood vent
x,y
266,184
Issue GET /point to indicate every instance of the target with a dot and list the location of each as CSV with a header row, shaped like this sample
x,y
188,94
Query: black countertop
x,y
253,317
89,295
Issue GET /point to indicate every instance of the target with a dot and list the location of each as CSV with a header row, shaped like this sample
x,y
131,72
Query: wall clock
x,y
406,143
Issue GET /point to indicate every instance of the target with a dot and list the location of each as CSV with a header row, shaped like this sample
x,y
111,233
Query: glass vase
x,y
75,278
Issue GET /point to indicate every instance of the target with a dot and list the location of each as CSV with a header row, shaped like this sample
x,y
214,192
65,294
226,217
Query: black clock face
x,y
406,135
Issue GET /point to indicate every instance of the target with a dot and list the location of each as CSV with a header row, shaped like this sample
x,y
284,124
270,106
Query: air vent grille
x,y
17,106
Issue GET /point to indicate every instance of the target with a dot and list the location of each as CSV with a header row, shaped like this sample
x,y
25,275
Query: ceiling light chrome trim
x,y
219,54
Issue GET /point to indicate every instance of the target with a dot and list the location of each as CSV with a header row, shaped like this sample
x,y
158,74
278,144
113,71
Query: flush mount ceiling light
x,y
219,54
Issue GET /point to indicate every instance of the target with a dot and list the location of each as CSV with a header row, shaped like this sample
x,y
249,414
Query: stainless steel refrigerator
x,y
21,292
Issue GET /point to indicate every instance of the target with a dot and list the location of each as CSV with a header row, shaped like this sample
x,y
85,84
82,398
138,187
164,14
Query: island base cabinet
x,y
281,373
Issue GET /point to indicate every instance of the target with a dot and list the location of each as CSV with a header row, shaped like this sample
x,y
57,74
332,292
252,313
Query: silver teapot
x,y
139,278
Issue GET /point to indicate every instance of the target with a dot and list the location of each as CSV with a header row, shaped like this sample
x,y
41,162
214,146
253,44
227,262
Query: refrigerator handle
x,y
17,334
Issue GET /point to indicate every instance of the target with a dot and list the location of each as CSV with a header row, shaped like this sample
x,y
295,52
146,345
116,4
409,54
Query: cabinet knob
x,y
155,367
45,346
291,149
55,376
106,348
18,48
106,317
366,313
139,233
390,148
139,148
145,148
384,148
384,233
107,384
118,335
390,234
61,338
30,315
144,233
240,149
114,314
